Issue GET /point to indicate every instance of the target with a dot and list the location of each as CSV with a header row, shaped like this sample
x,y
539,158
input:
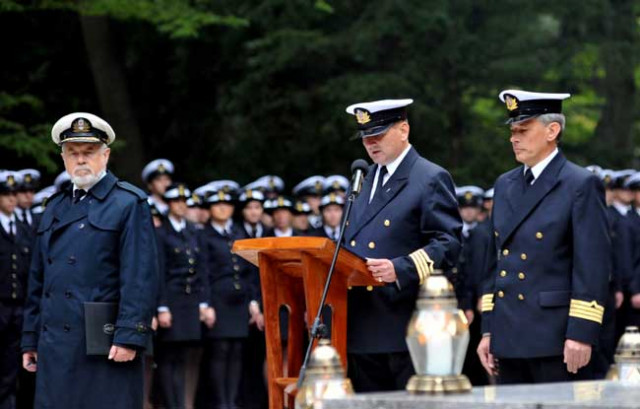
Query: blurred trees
x,y
239,88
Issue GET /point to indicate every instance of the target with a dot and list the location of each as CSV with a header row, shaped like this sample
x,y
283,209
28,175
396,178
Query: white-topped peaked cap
x,y
523,105
311,186
376,117
28,179
62,180
267,183
82,127
488,194
8,181
227,186
177,191
251,194
335,183
331,198
470,195
155,168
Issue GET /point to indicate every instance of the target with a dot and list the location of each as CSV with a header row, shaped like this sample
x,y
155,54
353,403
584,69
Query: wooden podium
x,y
293,272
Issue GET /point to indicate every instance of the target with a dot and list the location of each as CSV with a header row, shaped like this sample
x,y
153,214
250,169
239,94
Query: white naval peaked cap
x,y
157,167
533,96
82,127
376,117
62,180
381,105
313,185
524,105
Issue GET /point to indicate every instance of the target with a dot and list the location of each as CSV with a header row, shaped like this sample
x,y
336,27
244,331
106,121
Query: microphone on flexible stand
x,y
359,169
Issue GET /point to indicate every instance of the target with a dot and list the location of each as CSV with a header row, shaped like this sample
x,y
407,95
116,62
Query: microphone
x,y
359,169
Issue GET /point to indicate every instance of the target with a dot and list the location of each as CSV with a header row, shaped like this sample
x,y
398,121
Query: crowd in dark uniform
x,y
209,347
209,344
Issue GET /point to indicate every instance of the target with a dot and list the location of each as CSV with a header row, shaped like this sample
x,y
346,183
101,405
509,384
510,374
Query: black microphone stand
x,y
318,329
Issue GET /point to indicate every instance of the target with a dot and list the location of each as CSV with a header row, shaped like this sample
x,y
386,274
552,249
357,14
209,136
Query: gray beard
x,y
84,181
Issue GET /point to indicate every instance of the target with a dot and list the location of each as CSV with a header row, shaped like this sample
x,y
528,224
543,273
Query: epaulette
x,y
50,198
133,189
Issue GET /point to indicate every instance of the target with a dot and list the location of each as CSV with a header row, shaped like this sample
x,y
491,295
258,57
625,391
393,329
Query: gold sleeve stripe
x,y
425,257
423,263
591,311
421,266
487,303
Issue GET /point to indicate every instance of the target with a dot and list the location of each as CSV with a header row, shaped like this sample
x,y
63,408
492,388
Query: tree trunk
x,y
614,131
113,94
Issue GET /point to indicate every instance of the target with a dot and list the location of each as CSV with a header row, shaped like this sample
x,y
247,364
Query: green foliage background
x,y
238,89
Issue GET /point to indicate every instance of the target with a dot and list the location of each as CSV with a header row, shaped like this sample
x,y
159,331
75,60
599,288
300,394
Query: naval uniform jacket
x,y
184,281
230,284
101,249
550,262
15,257
253,272
413,219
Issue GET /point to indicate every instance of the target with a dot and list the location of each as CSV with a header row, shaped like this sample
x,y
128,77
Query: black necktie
x,y
381,174
78,195
12,232
253,231
528,178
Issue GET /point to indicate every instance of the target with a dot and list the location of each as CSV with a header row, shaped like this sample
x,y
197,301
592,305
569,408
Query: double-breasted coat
x,y
414,219
101,249
550,262
184,282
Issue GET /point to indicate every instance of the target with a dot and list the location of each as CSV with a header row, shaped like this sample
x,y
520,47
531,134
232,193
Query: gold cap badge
x,y
511,102
362,116
80,125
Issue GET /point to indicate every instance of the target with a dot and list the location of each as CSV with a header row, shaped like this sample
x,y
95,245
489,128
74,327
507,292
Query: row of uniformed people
x,y
622,190
17,229
205,285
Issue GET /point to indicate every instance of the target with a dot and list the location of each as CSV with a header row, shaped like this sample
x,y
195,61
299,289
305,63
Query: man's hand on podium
x,y
382,269
576,355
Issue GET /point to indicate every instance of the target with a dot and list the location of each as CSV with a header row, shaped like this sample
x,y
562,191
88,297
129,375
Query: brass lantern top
x,y
324,363
628,350
437,290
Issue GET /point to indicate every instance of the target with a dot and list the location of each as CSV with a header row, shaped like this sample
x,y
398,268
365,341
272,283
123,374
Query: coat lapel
x,y
526,202
74,212
394,185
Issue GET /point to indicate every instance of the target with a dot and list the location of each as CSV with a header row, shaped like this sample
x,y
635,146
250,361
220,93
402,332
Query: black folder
x,y
100,325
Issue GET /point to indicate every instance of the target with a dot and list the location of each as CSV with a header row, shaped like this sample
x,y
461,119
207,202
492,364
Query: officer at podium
x,y
404,222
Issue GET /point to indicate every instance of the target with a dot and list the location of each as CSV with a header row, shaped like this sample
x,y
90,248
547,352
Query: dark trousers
x,y
225,372
538,370
10,328
254,383
380,372
171,358
602,355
